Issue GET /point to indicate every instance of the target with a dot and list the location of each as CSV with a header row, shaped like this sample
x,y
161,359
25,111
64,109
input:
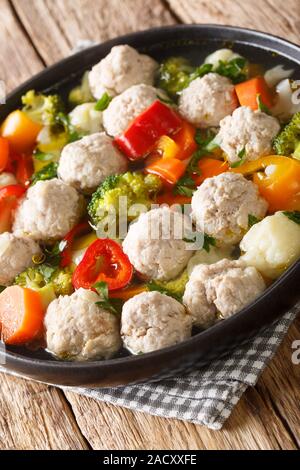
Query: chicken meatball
x,y
7,179
85,163
272,245
220,290
247,131
15,256
207,100
48,211
121,69
155,246
152,321
78,329
126,107
221,207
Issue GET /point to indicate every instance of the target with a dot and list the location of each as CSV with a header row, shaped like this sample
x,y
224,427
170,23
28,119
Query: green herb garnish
x,y
112,305
208,242
185,186
293,215
235,69
48,172
242,157
252,220
104,102
261,106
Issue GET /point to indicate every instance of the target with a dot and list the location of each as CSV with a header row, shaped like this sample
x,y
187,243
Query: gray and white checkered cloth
x,y
206,395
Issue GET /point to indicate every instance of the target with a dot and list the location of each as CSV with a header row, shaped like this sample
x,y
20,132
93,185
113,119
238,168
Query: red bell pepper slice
x,y
24,168
104,261
4,153
77,231
9,196
140,137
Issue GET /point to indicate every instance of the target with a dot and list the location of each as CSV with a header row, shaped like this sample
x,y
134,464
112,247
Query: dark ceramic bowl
x,y
194,42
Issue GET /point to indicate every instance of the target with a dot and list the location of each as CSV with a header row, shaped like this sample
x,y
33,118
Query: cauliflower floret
x,y
223,55
221,207
85,163
126,107
15,255
220,290
78,329
152,321
121,69
207,100
155,246
7,179
247,131
272,245
48,211
86,119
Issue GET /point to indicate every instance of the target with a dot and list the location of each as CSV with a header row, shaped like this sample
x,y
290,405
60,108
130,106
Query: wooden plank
x,y
279,385
267,417
55,26
18,59
34,416
273,16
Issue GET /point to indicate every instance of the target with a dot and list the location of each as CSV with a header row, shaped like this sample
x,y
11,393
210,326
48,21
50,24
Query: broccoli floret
x,y
82,93
42,108
288,140
174,75
138,188
38,277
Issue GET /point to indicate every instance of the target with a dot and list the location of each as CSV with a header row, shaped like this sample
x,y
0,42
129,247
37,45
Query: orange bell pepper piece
x,y
169,169
278,180
20,131
210,167
248,92
181,145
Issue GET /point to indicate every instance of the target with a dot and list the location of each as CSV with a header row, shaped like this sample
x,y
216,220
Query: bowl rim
x,y
283,46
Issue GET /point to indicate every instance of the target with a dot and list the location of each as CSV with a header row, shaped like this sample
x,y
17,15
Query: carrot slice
x,y
21,315
169,198
248,93
4,153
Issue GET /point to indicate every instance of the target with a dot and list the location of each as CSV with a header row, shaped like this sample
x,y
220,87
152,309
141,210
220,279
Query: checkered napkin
x,y
206,395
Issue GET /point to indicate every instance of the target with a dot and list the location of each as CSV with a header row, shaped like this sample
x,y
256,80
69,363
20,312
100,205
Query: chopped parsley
x,y
252,220
112,305
293,215
242,157
208,242
104,102
200,71
185,186
235,69
261,105
48,172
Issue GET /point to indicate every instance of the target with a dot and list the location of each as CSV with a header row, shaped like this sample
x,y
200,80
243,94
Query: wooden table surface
x,y
34,34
